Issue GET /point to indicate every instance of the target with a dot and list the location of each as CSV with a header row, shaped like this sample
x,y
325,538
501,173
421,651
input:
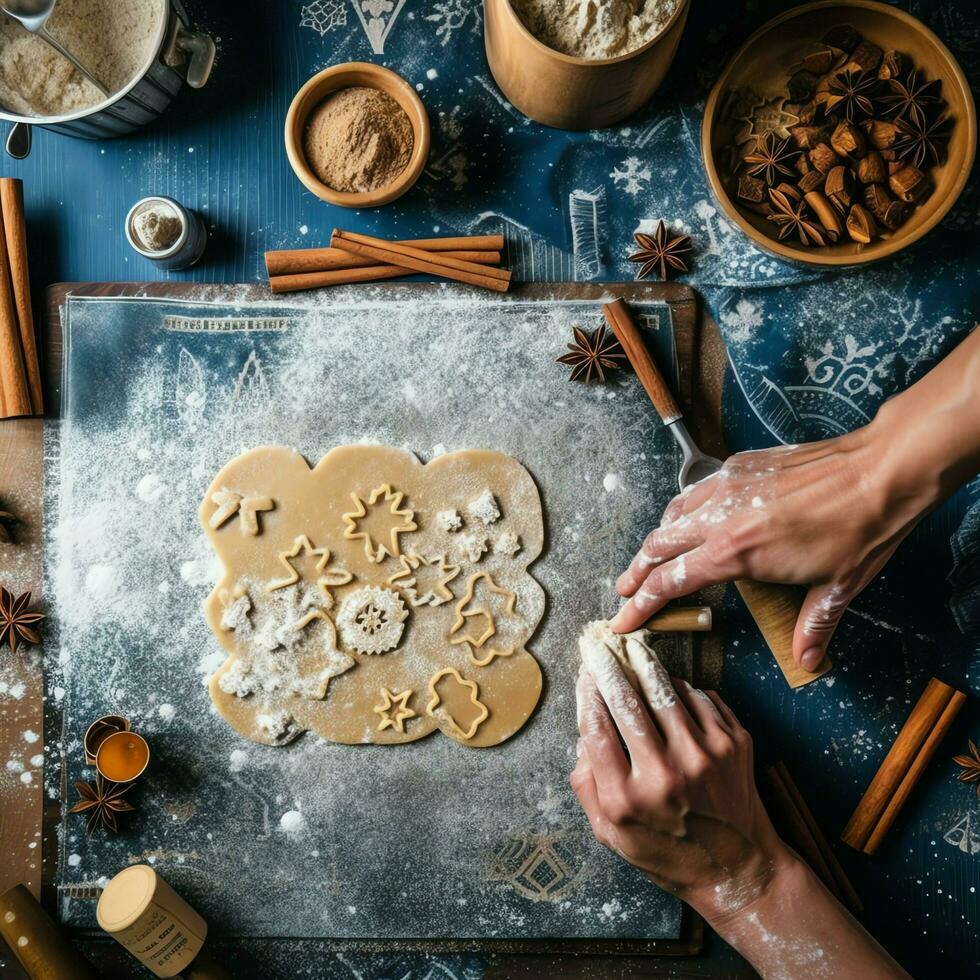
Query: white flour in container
x,y
595,29
112,38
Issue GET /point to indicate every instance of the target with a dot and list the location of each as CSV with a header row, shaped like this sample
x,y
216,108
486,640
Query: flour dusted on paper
x,y
595,29
111,38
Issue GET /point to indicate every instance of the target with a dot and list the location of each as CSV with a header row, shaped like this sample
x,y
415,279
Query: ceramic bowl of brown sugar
x,y
871,122
357,135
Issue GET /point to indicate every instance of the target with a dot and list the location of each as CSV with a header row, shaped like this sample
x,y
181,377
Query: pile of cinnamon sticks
x,y
353,258
20,370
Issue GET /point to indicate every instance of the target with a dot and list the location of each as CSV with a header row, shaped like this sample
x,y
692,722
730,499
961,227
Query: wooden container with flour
x,y
581,64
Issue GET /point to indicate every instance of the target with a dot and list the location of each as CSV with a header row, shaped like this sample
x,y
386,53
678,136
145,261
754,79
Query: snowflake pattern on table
x,y
324,15
632,175
452,15
377,17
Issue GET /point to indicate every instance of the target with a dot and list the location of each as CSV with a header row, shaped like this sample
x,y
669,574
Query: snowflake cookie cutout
x,y
473,545
449,521
425,580
507,543
371,620
484,510
383,507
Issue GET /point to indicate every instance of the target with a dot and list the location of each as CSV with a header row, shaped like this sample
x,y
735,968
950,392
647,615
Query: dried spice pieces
x,y
871,126
970,765
17,622
661,251
103,802
590,353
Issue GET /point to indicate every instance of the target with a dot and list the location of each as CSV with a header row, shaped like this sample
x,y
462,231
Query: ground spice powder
x,y
358,139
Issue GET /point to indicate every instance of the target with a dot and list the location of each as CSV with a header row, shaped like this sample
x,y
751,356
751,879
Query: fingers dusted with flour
x,y
664,775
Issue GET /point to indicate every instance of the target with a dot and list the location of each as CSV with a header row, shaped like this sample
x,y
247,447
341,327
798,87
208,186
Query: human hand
x,y
680,803
824,515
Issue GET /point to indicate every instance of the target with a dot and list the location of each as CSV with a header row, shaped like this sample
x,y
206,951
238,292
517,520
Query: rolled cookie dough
x,y
349,609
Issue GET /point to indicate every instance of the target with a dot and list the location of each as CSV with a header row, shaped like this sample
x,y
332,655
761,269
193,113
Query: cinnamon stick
x,y
336,277
391,253
905,762
797,823
13,378
15,229
286,262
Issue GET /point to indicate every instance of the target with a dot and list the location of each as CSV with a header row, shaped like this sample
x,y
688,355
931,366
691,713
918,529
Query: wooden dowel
x,y
621,323
844,889
901,757
288,261
15,229
918,767
336,277
13,379
680,619
388,253
775,608
37,941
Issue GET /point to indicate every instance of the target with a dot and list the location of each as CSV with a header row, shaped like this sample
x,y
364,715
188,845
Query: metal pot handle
x,y
199,49
18,143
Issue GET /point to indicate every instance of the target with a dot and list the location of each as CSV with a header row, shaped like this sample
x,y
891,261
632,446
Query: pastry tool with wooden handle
x,y
775,608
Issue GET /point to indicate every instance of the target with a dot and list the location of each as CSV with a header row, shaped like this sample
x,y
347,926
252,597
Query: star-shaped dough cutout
x,y
229,503
379,543
480,615
425,580
327,576
394,710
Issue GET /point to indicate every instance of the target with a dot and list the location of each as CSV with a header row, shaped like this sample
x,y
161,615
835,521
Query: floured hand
x,y
680,802
827,515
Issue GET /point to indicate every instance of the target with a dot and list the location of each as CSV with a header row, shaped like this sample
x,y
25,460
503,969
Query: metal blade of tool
x,y
775,608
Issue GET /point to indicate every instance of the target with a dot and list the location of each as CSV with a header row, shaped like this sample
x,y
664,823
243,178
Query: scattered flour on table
x,y
595,29
146,646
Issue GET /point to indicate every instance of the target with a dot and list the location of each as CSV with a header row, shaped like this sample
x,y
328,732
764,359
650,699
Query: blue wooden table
x,y
810,354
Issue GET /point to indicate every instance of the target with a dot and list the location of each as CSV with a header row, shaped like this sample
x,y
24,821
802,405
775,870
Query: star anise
x,y
851,93
590,353
102,801
920,141
911,97
970,764
16,621
771,158
6,519
793,218
661,251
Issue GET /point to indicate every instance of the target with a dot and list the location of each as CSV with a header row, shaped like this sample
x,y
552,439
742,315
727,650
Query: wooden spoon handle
x,y
621,323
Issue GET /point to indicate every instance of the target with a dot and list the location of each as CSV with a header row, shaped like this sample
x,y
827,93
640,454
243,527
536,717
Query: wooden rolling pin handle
x,y
622,324
775,609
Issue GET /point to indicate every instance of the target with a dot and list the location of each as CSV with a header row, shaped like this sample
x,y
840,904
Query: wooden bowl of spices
x,y
357,135
574,65
840,133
